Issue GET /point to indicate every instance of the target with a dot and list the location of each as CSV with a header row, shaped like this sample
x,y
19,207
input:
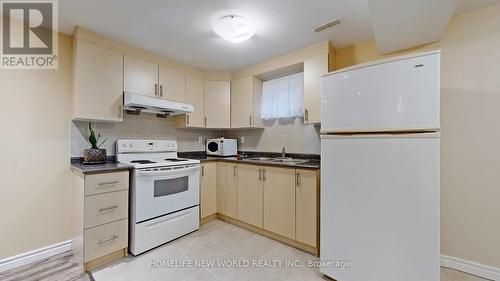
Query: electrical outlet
x,y
242,139
200,140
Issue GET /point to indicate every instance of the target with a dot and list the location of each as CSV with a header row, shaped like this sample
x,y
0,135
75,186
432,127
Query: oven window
x,y
171,186
213,147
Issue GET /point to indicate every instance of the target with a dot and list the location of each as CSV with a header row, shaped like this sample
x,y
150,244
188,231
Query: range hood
x,y
139,103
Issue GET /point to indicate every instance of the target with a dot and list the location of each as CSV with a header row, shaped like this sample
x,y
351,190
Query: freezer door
x,y
399,95
380,208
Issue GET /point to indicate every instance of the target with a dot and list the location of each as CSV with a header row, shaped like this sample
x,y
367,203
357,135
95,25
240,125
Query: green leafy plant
x,y
93,139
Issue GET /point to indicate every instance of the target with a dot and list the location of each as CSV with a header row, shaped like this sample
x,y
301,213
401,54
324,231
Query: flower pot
x,y
94,156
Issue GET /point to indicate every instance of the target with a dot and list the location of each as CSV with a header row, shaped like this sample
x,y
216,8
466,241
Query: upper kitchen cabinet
x,y
314,69
140,77
195,95
98,82
172,84
245,102
217,104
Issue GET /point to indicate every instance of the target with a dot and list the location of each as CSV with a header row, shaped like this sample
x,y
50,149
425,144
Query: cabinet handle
x,y
250,120
156,90
202,171
306,115
107,240
161,90
234,171
264,174
108,183
298,179
187,119
108,208
260,174
205,121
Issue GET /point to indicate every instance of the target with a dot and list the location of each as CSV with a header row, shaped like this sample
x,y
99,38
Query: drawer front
x,y
105,239
105,208
100,183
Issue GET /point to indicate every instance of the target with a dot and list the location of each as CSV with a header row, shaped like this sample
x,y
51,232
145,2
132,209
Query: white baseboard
x,y
33,256
470,267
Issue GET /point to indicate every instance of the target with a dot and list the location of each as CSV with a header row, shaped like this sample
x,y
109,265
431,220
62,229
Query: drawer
x,y
100,183
105,239
105,208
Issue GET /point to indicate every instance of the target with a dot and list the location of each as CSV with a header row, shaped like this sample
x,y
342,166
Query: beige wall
x,y
35,182
470,122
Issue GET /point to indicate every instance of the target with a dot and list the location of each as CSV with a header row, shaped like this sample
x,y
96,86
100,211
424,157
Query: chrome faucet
x,y
283,153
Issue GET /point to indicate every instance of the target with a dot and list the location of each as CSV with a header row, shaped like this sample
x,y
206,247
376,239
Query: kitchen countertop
x,y
108,167
312,163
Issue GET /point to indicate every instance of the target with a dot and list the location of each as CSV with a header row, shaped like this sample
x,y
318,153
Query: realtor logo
x,y
29,34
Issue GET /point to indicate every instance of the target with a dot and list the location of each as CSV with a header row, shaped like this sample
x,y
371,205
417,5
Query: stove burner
x,y
176,159
142,161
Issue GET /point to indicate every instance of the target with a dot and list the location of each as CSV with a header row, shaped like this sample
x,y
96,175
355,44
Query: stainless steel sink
x,y
288,160
260,159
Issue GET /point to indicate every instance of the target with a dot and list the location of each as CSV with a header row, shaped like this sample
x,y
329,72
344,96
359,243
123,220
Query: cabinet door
x,y
140,77
279,201
195,95
221,189
250,194
98,82
314,69
208,188
242,102
231,178
172,84
217,104
307,206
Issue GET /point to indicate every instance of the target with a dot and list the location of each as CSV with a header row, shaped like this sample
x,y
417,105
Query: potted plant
x,y
95,154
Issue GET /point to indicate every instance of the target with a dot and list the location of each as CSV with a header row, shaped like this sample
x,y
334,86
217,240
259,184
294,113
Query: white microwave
x,y
222,147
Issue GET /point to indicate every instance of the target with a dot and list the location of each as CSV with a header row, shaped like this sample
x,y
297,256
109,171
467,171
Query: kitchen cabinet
x,y
172,84
208,189
245,102
100,218
98,83
250,180
227,189
217,104
307,206
314,69
140,77
195,95
279,200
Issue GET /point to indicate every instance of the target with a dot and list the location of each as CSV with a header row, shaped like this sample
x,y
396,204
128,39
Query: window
x,y
283,97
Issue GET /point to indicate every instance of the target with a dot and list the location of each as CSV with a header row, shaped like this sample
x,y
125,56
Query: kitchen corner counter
x,y
87,169
312,163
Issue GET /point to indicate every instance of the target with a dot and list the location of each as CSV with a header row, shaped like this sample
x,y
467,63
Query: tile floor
x,y
219,241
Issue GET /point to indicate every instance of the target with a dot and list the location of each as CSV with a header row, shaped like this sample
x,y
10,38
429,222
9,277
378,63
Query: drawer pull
x,y
108,183
107,240
108,208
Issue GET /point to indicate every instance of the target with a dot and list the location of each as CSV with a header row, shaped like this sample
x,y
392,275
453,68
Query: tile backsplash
x,y
144,126
293,134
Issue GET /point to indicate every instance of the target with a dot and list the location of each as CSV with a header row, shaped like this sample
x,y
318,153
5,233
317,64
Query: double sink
x,y
277,160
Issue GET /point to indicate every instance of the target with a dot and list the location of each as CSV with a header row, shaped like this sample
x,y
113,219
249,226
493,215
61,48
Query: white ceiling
x,y
181,29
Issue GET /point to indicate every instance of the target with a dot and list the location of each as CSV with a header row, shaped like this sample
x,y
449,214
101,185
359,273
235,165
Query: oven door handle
x,y
166,172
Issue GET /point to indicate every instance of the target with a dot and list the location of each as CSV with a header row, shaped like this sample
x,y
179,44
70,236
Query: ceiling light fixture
x,y
234,28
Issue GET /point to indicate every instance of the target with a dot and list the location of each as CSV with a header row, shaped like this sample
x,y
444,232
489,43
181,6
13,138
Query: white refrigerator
x,y
380,171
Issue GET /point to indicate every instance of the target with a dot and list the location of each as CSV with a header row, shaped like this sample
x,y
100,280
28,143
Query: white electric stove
x,y
164,197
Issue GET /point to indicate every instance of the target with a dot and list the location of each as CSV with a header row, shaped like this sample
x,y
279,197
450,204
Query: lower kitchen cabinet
x,y
208,189
100,217
279,200
227,189
250,180
307,206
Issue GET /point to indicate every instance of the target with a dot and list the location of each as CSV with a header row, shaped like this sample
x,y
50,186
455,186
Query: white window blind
x,y
283,97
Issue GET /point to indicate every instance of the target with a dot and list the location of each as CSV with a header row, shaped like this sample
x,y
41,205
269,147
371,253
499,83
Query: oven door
x,y
160,191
